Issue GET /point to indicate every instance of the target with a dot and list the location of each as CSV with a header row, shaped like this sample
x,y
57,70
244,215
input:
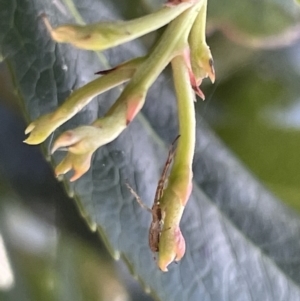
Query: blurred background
x,y
254,107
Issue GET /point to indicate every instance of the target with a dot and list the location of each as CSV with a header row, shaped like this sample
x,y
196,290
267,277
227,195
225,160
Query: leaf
x,y
242,243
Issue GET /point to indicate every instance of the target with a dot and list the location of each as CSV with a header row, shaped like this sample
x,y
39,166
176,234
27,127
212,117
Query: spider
x,y
156,211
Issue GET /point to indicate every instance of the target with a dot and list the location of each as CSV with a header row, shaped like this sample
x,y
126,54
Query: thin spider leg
x,y
161,183
138,199
175,140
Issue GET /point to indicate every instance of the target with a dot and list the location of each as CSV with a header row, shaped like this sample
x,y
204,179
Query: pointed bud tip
x,y
212,77
53,149
29,128
59,172
163,264
198,92
173,251
31,141
76,176
134,105
164,269
59,178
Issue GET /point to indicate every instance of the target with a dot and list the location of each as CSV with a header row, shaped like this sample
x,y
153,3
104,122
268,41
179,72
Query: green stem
x,y
173,201
78,18
186,114
180,179
104,35
199,27
82,96
172,42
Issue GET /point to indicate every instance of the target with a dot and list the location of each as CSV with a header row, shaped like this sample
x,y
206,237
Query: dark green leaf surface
x,y
242,244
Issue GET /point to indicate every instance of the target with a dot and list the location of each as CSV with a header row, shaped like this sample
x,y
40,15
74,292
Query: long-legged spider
x,y
156,211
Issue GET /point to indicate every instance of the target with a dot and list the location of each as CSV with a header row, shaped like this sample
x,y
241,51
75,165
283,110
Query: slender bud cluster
x,y
183,45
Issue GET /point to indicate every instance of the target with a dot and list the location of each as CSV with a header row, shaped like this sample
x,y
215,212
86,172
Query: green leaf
x,y
242,243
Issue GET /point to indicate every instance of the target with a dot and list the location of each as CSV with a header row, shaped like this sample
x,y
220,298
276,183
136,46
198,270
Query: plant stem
x,y
186,115
104,35
173,201
172,42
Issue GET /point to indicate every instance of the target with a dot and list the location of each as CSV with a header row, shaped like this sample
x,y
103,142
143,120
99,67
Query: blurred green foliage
x,y
255,109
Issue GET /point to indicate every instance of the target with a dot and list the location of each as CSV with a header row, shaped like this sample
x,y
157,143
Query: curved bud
x,y
201,57
104,35
80,140
41,128
81,143
202,63
86,139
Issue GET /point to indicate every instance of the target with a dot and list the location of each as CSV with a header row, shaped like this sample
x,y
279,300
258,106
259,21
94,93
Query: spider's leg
x,y
138,199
